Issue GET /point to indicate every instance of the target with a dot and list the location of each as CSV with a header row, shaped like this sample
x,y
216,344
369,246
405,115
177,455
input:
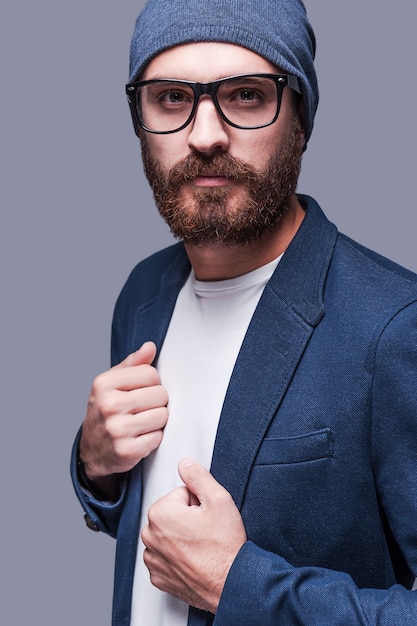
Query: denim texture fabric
x,y
317,439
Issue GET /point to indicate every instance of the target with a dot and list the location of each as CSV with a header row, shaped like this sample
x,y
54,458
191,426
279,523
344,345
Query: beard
x,y
236,213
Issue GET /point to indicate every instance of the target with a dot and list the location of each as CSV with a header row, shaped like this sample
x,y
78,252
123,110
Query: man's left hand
x,y
192,538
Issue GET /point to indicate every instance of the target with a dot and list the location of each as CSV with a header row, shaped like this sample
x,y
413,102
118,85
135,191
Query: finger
x,y
134,372
145,355
183,496
126,453
130,378
198,480
167,507
139,399
128,374
147,443
147,422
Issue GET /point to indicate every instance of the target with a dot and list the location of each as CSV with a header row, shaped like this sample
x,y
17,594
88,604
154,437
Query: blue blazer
x,y
317,439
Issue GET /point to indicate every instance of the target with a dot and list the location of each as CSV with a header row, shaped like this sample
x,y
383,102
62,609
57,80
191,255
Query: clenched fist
x,y
126,414
192,538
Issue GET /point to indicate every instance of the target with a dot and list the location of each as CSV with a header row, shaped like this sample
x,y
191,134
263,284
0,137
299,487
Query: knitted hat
x,y
277,30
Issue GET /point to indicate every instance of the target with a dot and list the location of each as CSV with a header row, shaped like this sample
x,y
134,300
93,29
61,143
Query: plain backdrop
x,y
76,215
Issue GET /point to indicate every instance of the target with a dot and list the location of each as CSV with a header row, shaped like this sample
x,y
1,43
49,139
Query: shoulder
x,y
144,282
326,271
353,261
369,274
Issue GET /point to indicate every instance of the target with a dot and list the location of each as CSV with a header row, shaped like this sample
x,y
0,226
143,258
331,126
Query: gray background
x,y
77,215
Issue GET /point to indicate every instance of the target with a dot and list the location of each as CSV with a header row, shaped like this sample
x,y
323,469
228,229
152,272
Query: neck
x,y
215,261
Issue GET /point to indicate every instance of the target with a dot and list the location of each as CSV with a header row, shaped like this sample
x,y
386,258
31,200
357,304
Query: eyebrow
x,y
165,77
243,74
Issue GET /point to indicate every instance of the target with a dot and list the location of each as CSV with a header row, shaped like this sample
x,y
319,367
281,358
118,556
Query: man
x,y
265,345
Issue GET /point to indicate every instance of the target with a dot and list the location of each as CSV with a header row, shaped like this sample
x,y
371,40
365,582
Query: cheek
x,y
253,147
255,150
168,149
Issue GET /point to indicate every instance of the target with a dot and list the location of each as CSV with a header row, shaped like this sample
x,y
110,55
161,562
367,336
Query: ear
x,y
303,144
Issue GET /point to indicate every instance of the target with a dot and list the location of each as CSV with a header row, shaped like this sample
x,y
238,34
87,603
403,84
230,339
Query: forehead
x,y
206,61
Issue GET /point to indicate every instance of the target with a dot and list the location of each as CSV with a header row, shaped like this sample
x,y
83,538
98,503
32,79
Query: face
x,y
213,182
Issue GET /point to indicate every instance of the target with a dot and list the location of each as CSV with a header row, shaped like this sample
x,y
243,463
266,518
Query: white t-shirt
x,y
204,337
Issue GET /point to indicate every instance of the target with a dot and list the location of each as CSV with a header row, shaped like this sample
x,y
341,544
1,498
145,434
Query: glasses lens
x,y
248,101
164,106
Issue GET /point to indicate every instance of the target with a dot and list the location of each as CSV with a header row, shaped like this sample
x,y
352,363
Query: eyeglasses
x,y
247,101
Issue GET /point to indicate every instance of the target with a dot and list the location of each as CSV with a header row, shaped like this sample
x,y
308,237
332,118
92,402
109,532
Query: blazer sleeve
x,y
99,515
394,429
262,589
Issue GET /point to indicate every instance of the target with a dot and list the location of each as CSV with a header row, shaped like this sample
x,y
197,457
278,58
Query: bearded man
x,y
267,357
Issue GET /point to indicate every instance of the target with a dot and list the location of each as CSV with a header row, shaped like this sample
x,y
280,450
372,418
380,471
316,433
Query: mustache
x,y
219,164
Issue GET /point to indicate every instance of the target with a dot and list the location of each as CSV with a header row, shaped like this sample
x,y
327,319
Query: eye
x,y
247,95
167,96
173,97
251,92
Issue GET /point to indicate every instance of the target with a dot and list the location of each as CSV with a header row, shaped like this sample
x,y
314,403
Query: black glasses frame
x,y
199,89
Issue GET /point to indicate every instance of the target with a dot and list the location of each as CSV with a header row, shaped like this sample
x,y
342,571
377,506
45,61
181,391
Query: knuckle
x,y
108,405
114,430
144,534
151,441
156,579
163,395
122,448
224,496
151,375
152,517
161,416
99,383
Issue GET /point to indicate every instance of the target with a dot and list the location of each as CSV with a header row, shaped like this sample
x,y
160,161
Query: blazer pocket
x,y
299,449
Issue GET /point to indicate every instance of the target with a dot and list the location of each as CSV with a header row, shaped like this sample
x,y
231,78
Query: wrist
x,y
102,488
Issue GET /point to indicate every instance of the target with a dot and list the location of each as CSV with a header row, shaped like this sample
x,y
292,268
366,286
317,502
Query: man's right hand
x,y
126,414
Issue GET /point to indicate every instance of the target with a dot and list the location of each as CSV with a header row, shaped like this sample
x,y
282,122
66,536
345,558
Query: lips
x,y
211,180
216,171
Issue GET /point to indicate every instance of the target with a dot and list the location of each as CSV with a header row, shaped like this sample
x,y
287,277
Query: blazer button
x,y
90,524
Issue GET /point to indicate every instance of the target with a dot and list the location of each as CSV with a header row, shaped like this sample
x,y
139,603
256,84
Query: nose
x,y
209,133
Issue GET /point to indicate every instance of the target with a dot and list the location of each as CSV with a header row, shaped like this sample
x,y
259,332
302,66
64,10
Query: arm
x,y
394,429
100,515
196,549
264,590
125,417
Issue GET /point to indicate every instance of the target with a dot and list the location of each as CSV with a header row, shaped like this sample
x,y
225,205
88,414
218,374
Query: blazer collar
x,y
289,309
300,276
298,280
152,318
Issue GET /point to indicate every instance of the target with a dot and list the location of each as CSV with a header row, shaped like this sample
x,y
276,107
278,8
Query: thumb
x,y
143,356
198,480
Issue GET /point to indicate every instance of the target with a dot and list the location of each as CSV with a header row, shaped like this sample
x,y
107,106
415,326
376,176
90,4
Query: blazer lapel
x,y
289,309
151,320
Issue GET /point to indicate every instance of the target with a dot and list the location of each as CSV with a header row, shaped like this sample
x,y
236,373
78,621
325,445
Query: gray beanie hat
x,y
277,30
